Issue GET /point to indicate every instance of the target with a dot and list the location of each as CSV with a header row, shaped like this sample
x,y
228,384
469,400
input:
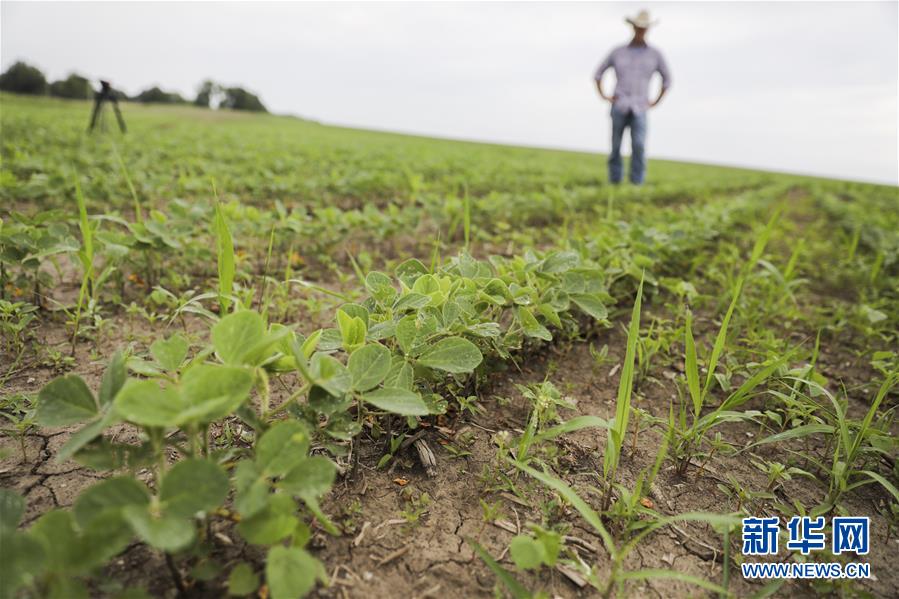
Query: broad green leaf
x,y
65,400
400,375
111,494
592,305
411,301
87,433
104,537
164,532
356,310
274,523
329,374
368,366
530,325
397,401
282,447
235,334
406,333
291,572
352,330
452,354
526,552
56,532
193,485
21,561
146,404
12,506
312,477
252,488
113,379
242,580
170,353
212,392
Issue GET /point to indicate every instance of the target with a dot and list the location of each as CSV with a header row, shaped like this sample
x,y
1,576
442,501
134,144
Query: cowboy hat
x,y
642,20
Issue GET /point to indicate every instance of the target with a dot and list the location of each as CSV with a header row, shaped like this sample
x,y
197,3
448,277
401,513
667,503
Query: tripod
x,y
105,94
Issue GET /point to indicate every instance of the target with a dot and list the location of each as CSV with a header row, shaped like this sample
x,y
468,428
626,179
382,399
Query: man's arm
x,y
666,79
605,66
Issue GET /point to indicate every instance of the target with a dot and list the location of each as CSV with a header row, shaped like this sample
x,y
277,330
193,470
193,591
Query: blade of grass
x,y
516,588
618,429
587,512
691,366
225,246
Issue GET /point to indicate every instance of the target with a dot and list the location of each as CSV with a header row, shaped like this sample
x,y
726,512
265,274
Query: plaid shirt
x,y
634,67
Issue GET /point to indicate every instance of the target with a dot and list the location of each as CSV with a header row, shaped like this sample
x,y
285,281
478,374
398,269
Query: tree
x,y
22,78
209,95
237,98
154,95
74,86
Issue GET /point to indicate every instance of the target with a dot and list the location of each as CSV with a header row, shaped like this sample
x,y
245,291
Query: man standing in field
x,y
634,66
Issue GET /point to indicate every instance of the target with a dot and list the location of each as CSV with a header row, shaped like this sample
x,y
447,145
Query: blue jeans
x,y
621,120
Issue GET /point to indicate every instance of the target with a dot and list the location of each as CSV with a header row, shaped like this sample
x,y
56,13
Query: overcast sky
x,y
801,87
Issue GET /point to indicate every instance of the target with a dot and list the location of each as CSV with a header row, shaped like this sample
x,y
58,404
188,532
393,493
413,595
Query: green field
x,y
258,355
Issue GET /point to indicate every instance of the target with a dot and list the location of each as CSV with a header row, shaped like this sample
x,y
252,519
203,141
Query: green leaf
x,y
400,375
225,251
212,392
282,447
87,433
312,477
587,512
65,400
146,404
526,552
797,432
193,485
252,488
112,495
517,590
575,424
291,572
164,532
12,506
650,573
234,335
352,330
452,354
113,379
406,333
692,366
242,580
21,562
274,523
883,482
618,429
328,373
592,305
530,325
397,401
368,366
170,353
55,530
